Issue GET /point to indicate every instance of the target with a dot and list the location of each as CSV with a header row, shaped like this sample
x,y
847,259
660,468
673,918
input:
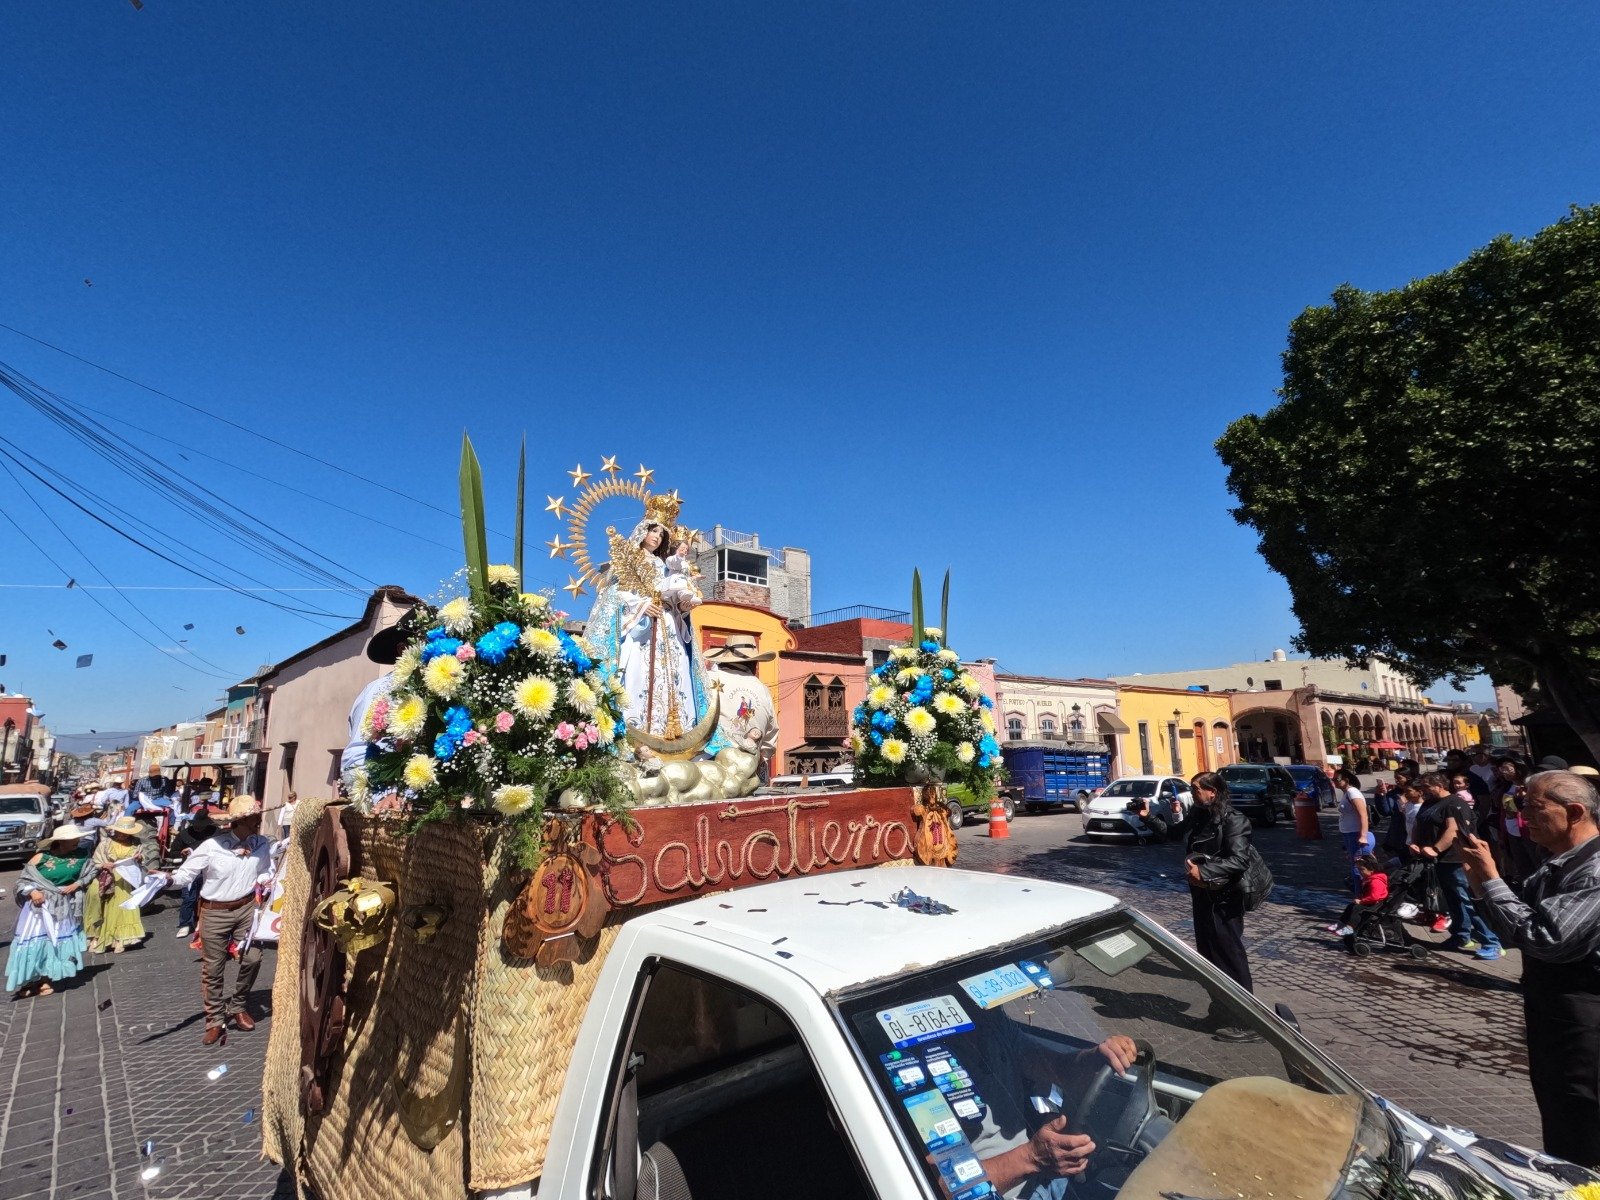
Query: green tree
x,y
1429,483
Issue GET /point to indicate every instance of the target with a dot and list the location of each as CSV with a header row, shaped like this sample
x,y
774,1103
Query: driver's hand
x,y
1056,1152
1120,1052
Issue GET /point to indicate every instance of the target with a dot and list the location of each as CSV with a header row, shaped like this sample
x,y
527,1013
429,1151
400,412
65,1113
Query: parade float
x,y
528,788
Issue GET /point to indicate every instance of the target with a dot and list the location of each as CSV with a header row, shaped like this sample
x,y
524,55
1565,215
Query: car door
x,y
1182,801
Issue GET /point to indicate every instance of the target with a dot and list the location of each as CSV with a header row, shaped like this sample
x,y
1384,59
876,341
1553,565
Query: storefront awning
x,y
1110,723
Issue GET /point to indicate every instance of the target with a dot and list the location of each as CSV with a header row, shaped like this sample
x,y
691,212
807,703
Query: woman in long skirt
x,y
47,944
109,925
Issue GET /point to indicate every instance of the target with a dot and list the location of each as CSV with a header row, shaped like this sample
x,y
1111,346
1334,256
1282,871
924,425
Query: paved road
x,y
89,1074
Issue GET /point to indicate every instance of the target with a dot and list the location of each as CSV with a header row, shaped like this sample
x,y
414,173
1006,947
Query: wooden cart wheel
x,y
322,966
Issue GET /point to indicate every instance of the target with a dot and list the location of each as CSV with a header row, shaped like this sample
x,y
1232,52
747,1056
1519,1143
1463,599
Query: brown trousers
x,y
218,927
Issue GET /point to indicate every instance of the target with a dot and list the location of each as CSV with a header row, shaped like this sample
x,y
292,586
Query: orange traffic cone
x,y
999,827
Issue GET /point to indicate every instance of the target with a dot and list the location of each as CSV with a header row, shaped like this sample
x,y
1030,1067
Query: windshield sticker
x,y
999,986
1116,945
960,1171
935,1124
910,1070
1038,974
923,1021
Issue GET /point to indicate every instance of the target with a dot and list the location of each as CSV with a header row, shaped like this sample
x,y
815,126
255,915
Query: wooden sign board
x,y
673,853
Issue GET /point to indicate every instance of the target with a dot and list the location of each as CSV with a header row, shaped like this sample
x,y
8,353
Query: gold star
x,y
609,465
644,475
558,548
578,475
557,505
573,585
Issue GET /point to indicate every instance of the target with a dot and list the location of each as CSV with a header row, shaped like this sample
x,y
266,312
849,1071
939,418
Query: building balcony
x,y
827,727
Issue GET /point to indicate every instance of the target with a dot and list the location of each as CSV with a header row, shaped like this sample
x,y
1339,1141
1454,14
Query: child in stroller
x,y
1377,918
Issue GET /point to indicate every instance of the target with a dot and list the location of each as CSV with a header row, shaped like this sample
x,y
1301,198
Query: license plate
x,y
926,1019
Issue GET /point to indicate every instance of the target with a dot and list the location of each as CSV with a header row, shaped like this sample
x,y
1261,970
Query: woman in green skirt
x,y
117,872
47,944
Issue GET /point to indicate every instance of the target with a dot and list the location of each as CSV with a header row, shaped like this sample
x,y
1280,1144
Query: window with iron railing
x,y
825,716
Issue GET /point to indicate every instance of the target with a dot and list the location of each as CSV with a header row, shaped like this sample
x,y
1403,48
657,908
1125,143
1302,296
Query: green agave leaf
x,y
944,612
472,527
917,623
522,480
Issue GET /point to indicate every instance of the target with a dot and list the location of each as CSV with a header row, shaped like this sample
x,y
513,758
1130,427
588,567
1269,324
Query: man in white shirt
x,y
229,867
384,648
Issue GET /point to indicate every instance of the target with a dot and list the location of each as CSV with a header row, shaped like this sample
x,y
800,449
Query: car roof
x,y
1149,778
827,930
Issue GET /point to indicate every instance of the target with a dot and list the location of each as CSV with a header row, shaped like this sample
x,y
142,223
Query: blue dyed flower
x,y
579,661
877,738
444,746
930,647
457,721
947,674
438,647
985,701
984,760
494,645
988,745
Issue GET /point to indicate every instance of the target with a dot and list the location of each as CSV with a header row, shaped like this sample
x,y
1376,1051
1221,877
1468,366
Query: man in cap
x,y
152,807
747,719
229,867
1554,919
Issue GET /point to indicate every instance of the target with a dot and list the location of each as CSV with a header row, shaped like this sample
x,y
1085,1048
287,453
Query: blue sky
x,y
905,284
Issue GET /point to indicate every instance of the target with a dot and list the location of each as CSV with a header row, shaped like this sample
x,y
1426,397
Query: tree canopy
x,y
1429,483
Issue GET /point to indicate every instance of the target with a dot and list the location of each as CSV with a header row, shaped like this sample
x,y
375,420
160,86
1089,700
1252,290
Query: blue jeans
x,y
1353,845
1465,922
191,902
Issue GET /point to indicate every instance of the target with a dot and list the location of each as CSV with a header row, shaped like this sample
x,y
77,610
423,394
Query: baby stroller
x,y
1384,926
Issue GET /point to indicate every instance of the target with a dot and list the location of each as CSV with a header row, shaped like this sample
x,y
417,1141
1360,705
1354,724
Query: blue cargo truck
x,y
1051,774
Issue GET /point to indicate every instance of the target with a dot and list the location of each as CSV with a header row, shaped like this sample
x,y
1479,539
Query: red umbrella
x,y
1387,745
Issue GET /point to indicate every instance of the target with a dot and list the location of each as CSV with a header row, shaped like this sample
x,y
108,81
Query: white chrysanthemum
x,y
907,676
443,675
457,616
920,721
533,602
504,574
582,697
406,716
512,799
535,697
541,642
966,752
360,787
949,705
406,665
902,653
932,632
949,656
419,772
880,695
967,682
856,743
894,750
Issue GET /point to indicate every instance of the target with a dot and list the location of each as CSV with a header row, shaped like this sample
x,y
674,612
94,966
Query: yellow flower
x,y
406,665
360,788
443,676
512,799
965,752
407,716
947,704
880,695
419,772
967,683
920,721
457,616
1583,1191
503,573
894,750
605,724
541,642
856,743
582,697
987,718
533,603
535,697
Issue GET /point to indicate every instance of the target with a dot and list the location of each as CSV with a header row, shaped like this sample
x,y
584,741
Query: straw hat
x,y
1582,770
127,825
68,833
238,809
739,648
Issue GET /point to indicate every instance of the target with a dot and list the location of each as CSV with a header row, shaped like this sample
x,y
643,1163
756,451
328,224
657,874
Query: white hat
x,y
68,833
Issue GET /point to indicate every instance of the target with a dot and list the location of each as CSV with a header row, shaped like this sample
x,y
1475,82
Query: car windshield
x,y
1245,779
973,1060
1130,788
27,806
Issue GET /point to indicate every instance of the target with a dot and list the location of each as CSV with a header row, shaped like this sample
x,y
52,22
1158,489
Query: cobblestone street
x,y
115,1060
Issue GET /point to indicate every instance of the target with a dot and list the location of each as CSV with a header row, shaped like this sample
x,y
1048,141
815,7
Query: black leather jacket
x,y
1226,842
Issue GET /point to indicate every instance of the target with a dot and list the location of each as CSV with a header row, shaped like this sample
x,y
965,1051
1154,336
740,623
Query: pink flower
x,y
581,742
503,722
472,737
591,732
378,715
466,652
565,731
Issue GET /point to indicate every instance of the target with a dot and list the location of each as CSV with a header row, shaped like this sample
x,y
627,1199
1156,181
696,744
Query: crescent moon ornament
x,y
682,749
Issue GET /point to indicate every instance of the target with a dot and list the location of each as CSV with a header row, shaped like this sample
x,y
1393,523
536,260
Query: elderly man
x,y
229,867
152,807
1555,922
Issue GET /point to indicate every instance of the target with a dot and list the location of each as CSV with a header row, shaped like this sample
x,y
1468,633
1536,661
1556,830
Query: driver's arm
x,y
1051,1153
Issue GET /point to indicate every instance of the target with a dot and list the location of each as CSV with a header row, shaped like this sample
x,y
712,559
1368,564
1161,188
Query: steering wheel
x,y
1110,1119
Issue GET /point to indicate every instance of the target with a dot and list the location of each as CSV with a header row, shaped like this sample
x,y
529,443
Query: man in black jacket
x,y
1219,853
1555,922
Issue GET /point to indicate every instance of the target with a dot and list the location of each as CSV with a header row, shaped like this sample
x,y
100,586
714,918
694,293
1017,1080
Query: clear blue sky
x,y
905,284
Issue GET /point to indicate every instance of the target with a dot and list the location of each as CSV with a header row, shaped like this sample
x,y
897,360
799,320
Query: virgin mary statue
x,y
641,623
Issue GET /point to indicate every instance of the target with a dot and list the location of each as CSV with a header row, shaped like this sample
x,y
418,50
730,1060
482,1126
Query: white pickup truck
x,y
814,1039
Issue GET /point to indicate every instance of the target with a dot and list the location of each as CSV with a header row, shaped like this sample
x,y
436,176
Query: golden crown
x,y
663,509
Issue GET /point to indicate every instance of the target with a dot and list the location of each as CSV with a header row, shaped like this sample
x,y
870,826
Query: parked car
x,y
1261,791
25,819
964,806
1314,782
1108,816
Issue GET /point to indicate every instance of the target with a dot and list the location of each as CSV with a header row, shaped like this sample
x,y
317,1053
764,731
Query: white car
x,y
1107,815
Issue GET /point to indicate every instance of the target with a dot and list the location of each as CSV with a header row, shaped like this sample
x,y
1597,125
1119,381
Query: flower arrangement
x,y
925,718
495,708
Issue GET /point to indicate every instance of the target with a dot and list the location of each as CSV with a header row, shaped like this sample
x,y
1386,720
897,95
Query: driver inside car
x,y
1027,1154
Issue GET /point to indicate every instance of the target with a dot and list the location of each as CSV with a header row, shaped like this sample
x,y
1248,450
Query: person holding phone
x,y
1219,849
1442,824
1554,919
